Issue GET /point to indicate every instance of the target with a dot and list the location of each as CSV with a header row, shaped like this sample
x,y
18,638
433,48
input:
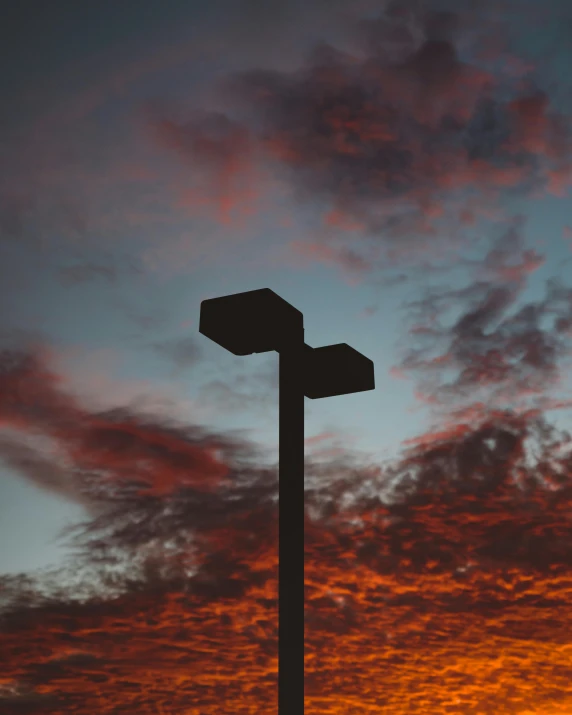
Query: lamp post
x,y
260,321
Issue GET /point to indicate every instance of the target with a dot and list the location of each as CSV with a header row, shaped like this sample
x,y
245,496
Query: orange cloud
x,y
449,593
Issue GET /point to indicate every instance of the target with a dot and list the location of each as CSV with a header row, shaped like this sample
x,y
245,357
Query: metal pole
x,y
291,529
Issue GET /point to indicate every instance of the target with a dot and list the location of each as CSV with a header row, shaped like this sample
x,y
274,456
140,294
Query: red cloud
x,y
416,144
222,150
497,348
420,588
118,445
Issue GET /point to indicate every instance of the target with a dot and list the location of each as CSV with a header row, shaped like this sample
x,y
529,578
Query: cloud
x,y
42,467
443,576
419,568
221,150
461,546
408,144
115,444
487,340
423,569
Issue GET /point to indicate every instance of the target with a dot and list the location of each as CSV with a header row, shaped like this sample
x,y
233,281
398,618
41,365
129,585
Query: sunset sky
x,y
401,173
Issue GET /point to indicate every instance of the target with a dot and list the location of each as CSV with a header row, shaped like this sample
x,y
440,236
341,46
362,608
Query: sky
x,y
400,172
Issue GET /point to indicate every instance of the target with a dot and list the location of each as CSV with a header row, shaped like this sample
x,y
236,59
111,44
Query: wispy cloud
x,y
486,340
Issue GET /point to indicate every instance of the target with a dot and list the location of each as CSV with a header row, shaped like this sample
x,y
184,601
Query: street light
x,y
260,321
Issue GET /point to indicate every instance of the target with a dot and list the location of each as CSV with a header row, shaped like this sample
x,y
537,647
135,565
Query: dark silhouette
x,y
260,321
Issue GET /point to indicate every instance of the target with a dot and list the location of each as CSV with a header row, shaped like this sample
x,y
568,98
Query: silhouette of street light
x,y
260,321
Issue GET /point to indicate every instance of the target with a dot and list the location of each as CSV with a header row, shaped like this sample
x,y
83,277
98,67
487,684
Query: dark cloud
x,y
459,546
397,146
487,340
116,444
463,541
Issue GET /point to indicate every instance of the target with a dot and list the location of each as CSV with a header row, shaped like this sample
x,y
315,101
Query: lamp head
x,y
256,321
336,370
